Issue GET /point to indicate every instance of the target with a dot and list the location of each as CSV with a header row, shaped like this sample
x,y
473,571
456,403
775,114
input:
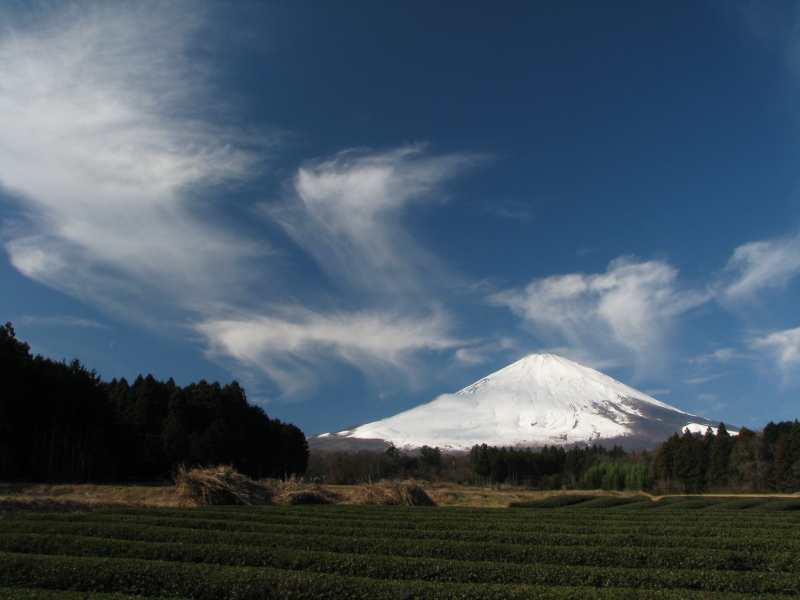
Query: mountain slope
x,y
540,399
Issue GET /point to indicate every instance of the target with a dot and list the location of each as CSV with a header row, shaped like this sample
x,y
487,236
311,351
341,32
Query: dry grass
x,y
214,486
69,498
224,485
296,492
445,494
391,493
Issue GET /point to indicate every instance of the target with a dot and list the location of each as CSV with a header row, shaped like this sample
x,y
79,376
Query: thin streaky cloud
x,y
783,347
704,379
346,212
105,151
285,347
757,266
719,355
61,321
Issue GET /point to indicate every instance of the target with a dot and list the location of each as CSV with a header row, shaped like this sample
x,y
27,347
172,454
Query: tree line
x,y
60,422
691,463
342,467
765,461
715,461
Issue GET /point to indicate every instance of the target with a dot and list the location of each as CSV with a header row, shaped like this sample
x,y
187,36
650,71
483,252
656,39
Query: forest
x,y
751,462
60,422
691,463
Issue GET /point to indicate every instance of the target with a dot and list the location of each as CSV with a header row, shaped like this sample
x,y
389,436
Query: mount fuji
x,y
539,400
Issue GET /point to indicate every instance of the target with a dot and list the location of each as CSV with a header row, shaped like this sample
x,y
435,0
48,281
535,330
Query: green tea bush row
x,y
462,529
248,554
726,523
778,540
26,593
316,552
149,577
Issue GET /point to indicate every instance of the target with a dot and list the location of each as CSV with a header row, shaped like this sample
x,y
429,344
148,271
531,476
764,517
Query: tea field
x,y
564,547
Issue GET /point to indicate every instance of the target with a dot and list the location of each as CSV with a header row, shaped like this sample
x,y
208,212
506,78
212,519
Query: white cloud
x,y
293,347
628,311
704,379
104,149
108,154
784,348
719,355
762,265
475,355
346,212
62,321
470,356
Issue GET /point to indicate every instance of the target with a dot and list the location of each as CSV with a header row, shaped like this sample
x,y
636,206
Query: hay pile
x,y
293,492
214,486
392,493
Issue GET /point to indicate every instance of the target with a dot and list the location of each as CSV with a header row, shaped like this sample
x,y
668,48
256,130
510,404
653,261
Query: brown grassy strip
x,y
16,497
222,485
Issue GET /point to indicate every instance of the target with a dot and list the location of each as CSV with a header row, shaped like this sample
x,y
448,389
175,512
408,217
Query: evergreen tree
x,y
498,470
781,465
747,467
431,460
664,462
719,458
479,458
690,463
60,422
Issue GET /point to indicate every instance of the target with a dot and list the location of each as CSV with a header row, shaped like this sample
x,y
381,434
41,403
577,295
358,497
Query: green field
x,y
596,548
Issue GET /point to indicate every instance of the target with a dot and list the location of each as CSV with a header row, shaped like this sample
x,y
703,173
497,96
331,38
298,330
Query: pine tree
x,y
719,458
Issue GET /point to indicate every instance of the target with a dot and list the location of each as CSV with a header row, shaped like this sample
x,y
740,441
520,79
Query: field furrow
x,y
401,552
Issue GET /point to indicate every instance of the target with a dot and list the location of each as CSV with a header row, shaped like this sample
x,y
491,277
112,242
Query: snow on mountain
x,y
540,399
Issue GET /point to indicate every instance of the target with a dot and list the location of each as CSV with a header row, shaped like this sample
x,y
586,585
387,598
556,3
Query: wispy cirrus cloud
x,y
719,355
115,168
783,347
61,321
485,351
105,149
626,312
293,346
757,266
347,213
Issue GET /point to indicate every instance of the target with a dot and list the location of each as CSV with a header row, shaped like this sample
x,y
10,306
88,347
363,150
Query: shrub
x,y
783,504
555,501
610,501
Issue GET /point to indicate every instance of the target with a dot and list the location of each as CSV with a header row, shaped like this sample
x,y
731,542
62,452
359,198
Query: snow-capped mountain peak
x,y
540,399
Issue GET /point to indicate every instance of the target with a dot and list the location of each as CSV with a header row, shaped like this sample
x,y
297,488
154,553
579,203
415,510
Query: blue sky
x,y
351,207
